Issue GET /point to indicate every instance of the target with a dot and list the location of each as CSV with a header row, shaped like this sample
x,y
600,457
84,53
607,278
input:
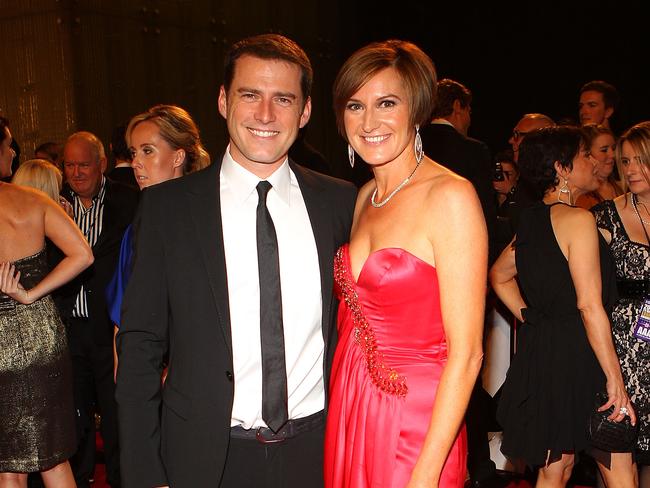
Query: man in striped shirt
x,y
102,210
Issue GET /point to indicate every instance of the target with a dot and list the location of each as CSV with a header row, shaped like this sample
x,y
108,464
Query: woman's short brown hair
x,y
178,129
411,63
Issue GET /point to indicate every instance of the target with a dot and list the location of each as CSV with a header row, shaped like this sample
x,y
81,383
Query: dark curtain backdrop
x,y
67,65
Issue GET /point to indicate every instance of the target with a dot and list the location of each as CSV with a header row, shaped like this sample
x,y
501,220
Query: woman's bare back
x,y
22,221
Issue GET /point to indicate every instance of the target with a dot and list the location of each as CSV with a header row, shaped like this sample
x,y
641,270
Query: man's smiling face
x,y
264,109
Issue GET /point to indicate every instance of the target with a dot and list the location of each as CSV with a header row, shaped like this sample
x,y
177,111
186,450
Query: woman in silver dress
x,y
37,428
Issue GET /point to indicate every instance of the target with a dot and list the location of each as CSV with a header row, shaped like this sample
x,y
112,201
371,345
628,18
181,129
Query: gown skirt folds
x,y
550,389
387,367
37,423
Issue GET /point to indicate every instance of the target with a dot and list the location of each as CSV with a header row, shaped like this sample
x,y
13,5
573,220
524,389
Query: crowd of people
x,y
244,321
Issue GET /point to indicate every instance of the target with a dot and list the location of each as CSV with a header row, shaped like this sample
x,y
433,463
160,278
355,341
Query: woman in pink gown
x,y
412,286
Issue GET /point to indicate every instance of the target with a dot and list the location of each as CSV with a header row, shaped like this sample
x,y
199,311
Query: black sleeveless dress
x,y
550,389
37,425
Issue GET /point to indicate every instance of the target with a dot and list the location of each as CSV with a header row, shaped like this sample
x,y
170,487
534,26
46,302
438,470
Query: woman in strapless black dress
x,y
37,430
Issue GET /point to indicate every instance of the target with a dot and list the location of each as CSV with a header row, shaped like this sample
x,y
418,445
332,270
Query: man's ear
x,y
103,163
456,106
222,102
306,113
609,111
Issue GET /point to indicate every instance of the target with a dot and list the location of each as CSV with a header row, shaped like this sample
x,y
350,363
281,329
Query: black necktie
x,y
274,372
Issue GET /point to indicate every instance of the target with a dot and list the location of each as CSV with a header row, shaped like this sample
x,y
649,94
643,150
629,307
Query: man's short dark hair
x,y
269,46
611,98
448,92
52,149
119,149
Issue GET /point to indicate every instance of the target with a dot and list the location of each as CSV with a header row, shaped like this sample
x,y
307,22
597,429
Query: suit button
x,y
229,376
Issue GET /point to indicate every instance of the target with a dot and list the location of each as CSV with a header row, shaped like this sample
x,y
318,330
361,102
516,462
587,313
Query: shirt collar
x,y
243,183
442,121
97,198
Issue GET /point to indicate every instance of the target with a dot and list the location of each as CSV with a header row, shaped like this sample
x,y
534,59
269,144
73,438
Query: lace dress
x,y
632,263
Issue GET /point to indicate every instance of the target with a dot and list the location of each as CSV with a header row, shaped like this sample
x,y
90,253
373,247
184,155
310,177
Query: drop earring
x,y
351,155
419,152
565,190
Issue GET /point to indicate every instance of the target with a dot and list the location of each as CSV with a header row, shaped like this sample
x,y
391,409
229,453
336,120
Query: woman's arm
x,y
579,232
459,241
502,279
65,234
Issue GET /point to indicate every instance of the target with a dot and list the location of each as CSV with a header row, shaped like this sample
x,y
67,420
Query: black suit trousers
x,y
94,388
293,463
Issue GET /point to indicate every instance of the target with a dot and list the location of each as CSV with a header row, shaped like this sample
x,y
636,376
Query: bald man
x,y
527,124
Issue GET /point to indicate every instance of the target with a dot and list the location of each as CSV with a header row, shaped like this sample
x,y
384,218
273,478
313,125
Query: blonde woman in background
x,y
625,225
44,176
165,144
601,142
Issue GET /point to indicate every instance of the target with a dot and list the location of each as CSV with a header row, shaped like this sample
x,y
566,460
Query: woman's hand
x,y
10,284
617,396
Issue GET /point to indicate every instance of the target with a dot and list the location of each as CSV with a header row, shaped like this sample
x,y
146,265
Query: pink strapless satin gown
x,y
386,371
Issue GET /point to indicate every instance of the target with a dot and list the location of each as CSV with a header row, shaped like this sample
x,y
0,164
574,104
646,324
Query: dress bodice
x,y
543,270
631,257
399,295
32,270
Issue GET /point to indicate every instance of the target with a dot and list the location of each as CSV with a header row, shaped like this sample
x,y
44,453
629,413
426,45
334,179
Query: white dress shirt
x,y
299,282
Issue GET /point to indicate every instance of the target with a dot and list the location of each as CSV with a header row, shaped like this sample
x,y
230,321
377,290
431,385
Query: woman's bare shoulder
x,y
574,221
446,187
24,198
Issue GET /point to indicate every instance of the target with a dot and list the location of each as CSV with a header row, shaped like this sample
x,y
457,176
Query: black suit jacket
x,y
125,175
177,301
120,202
468,158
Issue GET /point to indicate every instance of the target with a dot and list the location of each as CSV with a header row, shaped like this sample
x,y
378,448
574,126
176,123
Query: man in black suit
x,y
102,210
445,141
233,279
122,170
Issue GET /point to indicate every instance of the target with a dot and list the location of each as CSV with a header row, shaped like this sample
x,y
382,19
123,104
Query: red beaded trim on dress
x,y
384,377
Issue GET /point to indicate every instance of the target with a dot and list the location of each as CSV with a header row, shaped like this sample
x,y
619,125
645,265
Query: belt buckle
x,y
264,440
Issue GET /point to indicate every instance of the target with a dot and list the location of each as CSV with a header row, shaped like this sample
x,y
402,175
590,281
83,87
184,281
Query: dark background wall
x,y
91,64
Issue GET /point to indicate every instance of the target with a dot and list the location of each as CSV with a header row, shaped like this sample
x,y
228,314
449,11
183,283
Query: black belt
x,y
290,429
634,289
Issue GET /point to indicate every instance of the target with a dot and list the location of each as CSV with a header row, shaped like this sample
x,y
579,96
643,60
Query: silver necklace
x,y
636,209
392,194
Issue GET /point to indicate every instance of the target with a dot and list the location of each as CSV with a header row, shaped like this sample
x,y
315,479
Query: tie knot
x,y
263,188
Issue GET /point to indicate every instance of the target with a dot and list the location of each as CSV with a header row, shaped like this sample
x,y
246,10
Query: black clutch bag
x,y
611,436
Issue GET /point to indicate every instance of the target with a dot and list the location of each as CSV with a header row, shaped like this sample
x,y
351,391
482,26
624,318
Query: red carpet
x,y
100,468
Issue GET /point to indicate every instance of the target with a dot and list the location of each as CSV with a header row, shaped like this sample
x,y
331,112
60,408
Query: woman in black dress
x,y
37,429
625,224
565,353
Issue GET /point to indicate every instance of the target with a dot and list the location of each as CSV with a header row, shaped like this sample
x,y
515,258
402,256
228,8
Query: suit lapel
x,y
108,220
322,228
205,211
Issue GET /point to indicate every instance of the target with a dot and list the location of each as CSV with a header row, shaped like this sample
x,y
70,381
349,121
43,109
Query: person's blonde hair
x,y
40,174
178,129
637,136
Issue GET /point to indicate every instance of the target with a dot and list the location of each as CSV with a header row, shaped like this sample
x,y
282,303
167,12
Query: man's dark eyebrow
x,y
243,89
285,95
290,95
